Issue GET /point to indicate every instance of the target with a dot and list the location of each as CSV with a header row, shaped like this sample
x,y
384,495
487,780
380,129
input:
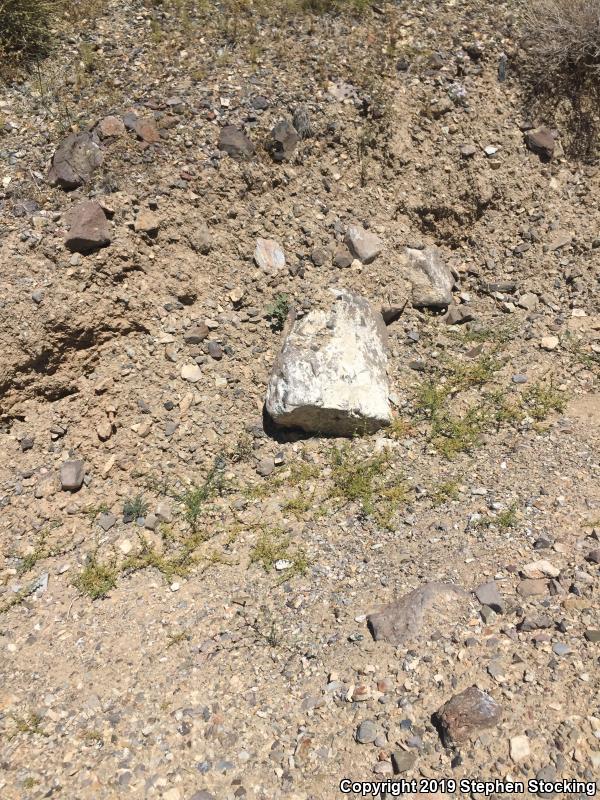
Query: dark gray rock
x,y
235,143
75,160
366,732
284,139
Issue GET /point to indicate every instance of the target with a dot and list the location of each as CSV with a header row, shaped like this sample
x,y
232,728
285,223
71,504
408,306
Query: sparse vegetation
x,y
97,579
25,30
562,38
278,311
273,546
134,508
540,399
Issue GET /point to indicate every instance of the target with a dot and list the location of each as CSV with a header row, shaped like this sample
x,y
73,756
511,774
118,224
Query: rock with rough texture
x,y
284,139
331,374
302,124
145,128
364,245
269,256
75,160
147,222
466,714
111,126
235,143
431,279
72,474
366,732
191,373
88,228
519,748
402,621
532,587
541,142
488,595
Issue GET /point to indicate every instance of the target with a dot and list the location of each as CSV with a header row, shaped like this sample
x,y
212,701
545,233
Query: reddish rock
x,y
146,129
88,228
466,714
111,126
74,161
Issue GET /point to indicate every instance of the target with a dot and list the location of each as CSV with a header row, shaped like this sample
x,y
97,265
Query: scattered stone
x,y
466,714
366,732
104,430
235,143
265,467
488,595
468,150
549,342
458,315
125,546
319,257
88,228
342,258
592,635
402,621
269,256
106,521
191,373
431,279
72,474
532,587
594,556
284,139
403,761
301,121
365,245
331,373
147,222
540,569
145,128
541,142
519,748
392,314
27,443
74,161
197,334
111,126
198,235
519,378
561,649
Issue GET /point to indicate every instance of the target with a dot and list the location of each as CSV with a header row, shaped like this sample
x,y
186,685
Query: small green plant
x,y
504,520
273,546
31,724
278,311
178,638
540,399
400,429
368,483
97,579
135,508
194,499
444,492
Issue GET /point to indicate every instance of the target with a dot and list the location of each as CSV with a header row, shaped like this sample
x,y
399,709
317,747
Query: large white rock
x,y
331,374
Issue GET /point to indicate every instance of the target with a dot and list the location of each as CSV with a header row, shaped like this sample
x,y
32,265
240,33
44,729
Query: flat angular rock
x,y
364,245
269,256
72,474
466,714
541,142
88,228
198,235
75,160
235,143
331,374
284,139
532,587
431,279
488,595
431,605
